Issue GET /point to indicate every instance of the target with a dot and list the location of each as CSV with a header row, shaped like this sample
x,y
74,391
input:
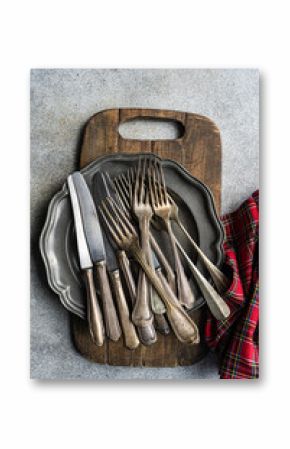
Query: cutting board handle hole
x,y
146,128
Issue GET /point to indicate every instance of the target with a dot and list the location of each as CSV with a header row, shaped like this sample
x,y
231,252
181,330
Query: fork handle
x,y
186,329
215,302
217,276
183,326
155,301
185,294
142,313
130,336
161,323
162,259
126,270
157,304
112,325
146,333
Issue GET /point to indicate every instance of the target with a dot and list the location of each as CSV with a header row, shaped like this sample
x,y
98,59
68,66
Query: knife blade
x,y
94,314
94,238
130,336
105,188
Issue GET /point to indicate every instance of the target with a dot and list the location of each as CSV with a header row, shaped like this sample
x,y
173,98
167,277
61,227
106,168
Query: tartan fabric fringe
x,y
236,339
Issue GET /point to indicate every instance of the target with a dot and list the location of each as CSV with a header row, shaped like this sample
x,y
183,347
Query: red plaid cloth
x,y
236,339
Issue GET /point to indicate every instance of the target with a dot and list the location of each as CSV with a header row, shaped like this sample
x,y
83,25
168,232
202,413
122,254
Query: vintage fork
x,y
127,196
143,212
217,276
161,207
146,332
215,302
125,236
124,190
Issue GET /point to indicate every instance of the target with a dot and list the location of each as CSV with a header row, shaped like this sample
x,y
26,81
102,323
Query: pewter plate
x,y
197,211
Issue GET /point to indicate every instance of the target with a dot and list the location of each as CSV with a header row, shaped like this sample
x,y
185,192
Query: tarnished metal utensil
x,y
123,187
133,199
130,337
94,314
94,237
215,302
217,275
146,331
126,238
161,207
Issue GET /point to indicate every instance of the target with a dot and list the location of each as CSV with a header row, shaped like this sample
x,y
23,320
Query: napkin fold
x,y
236,339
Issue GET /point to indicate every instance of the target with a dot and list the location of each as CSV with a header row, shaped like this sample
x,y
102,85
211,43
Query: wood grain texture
x,y
199,151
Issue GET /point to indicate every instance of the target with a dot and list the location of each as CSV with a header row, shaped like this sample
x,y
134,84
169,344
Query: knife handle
x,y
112,325
94,314
129,332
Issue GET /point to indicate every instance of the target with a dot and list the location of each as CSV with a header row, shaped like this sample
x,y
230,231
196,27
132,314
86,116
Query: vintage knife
x,y
94,237
94,314
128,328
147,333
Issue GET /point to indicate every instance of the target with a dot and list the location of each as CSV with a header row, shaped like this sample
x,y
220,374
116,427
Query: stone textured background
x,y
62,100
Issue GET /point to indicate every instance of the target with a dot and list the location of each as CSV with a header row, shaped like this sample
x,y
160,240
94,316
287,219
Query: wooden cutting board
x,y
199,151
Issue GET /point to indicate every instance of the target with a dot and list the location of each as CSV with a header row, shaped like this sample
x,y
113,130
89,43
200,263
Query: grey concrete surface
x,y
61,102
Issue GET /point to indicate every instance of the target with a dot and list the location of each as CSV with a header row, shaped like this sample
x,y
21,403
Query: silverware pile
x,y
130,206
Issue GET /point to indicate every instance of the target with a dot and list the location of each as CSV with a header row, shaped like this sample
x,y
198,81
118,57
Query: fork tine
x,y
109,179
106,217
120,190
162,183
124,179
142,190
134,171
125,186
149,177
121,202
137,183
130,183
152,184
123,228
146,199
158,185
113,213
170,199
133,177
132,174
116,191
121,214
